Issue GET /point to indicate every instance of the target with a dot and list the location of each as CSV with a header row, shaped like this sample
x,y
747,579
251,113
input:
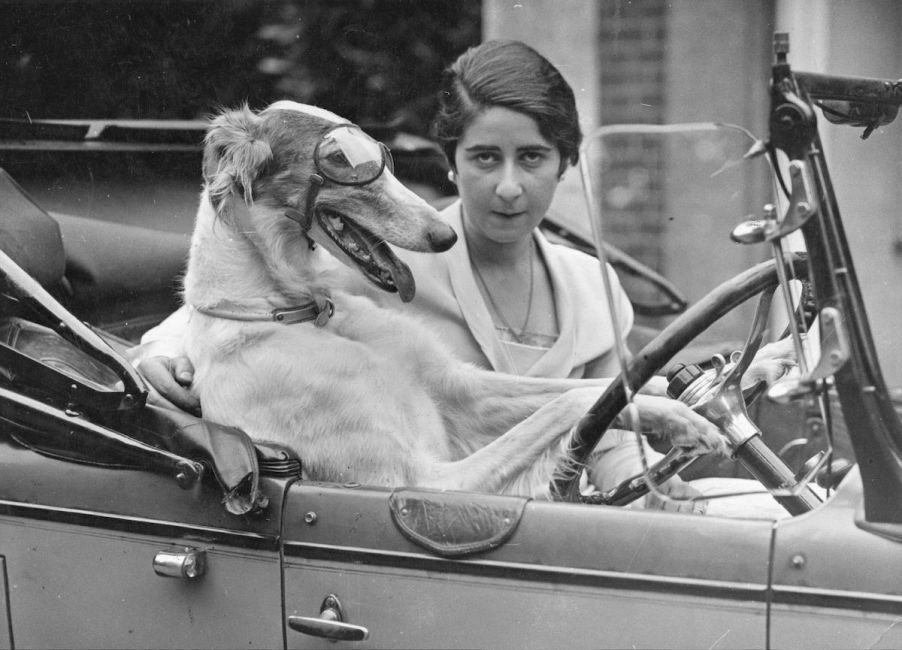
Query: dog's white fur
x,y
373,396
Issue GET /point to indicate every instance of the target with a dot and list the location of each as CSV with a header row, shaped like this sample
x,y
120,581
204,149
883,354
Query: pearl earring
x,y
451,176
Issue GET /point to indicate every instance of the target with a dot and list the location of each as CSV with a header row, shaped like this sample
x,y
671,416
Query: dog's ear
x,y
234,155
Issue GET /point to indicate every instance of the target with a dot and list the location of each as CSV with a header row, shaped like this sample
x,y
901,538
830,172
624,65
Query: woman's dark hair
x,y
512,75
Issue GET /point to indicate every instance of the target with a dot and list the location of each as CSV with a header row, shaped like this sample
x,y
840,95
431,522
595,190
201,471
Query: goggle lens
x,y
348,156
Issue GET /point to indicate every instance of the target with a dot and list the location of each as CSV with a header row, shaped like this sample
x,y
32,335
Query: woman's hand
x,y
771,363
618,458
170,381
681,494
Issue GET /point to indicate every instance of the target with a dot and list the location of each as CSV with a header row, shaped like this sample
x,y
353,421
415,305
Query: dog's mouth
x,y
371,254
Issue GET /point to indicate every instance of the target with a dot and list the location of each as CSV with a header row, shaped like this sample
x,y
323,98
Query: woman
x,y
509,127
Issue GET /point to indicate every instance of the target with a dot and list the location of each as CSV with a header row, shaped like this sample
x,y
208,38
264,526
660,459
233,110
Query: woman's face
x,y
507,173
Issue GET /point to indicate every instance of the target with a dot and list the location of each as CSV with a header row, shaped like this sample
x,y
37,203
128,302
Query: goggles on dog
x,y
345,155
348,156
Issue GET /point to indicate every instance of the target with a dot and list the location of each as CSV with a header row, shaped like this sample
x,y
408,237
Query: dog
x,y
295,198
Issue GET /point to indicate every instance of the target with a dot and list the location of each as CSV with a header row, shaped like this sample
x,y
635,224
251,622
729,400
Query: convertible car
x,y
128,524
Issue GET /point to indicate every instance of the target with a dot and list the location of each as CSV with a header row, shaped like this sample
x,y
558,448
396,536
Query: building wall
x,y
631,51
716,68
673,62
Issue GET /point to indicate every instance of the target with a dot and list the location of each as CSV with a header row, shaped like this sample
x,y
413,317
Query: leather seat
x,y
29,235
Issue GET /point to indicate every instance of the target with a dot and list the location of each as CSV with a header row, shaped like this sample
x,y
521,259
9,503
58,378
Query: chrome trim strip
x,y
837,599
739,591
137,525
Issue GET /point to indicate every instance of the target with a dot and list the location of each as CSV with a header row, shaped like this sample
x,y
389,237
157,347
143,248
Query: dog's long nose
x,y
442,238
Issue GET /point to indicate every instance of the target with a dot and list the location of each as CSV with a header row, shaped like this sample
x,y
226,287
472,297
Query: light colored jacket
x,y
449,299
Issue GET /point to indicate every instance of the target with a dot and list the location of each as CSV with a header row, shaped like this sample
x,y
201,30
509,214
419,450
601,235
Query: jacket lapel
x,y
466,292
556,362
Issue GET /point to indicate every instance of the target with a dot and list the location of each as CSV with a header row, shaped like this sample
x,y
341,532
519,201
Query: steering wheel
x,y
762,462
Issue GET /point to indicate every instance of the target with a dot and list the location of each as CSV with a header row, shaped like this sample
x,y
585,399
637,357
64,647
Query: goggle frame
x,y
386,161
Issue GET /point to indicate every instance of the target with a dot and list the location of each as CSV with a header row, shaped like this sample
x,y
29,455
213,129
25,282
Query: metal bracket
x,y
835,352
802,200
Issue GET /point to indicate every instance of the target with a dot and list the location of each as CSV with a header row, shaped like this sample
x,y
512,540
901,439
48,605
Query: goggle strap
x,y
305,220
295,215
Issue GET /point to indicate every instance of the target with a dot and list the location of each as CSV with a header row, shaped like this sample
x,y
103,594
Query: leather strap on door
x,y
453,524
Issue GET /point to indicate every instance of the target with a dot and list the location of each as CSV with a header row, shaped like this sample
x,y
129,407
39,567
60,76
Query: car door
x,y
836,584
81,547
567,575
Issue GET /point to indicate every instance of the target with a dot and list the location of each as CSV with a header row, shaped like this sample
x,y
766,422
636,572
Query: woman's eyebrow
x,y
525,147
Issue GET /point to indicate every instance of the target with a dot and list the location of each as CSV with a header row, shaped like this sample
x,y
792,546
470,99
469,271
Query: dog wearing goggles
x,y
288,347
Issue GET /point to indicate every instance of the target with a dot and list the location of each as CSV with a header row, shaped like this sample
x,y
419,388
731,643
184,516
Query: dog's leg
x,y
521,460
479,406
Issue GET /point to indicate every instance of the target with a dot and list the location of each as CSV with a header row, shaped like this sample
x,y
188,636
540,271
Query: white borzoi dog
x,y
362,393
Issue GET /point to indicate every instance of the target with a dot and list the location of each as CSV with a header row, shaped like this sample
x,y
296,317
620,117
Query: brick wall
x,y
632,48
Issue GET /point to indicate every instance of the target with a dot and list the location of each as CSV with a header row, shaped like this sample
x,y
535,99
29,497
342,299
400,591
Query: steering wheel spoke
x,y
636,487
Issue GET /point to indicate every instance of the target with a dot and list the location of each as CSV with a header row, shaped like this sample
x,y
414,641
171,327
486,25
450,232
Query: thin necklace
x,y
518,336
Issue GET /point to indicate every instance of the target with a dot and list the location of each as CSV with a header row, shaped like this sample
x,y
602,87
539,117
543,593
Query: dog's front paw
x,y
679,425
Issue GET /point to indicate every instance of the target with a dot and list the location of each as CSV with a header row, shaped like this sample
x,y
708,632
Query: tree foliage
x,y
379,61
374,61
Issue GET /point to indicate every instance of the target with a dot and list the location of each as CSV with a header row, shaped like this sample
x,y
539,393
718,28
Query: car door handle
x,y
187,563
329,624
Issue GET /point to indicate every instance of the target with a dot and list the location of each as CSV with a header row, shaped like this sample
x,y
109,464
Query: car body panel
x,y
79,543
68,573
619,570
833,582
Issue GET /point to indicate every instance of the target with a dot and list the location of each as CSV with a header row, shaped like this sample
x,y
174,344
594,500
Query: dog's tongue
x,y
400,272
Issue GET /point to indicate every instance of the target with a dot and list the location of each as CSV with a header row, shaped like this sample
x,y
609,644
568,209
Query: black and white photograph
x,y
450,324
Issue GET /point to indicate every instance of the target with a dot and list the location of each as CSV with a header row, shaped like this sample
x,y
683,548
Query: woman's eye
x,y
532,157
485,158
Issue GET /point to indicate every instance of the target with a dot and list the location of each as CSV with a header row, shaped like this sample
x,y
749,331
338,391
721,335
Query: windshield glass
x,y
669,196
672,196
